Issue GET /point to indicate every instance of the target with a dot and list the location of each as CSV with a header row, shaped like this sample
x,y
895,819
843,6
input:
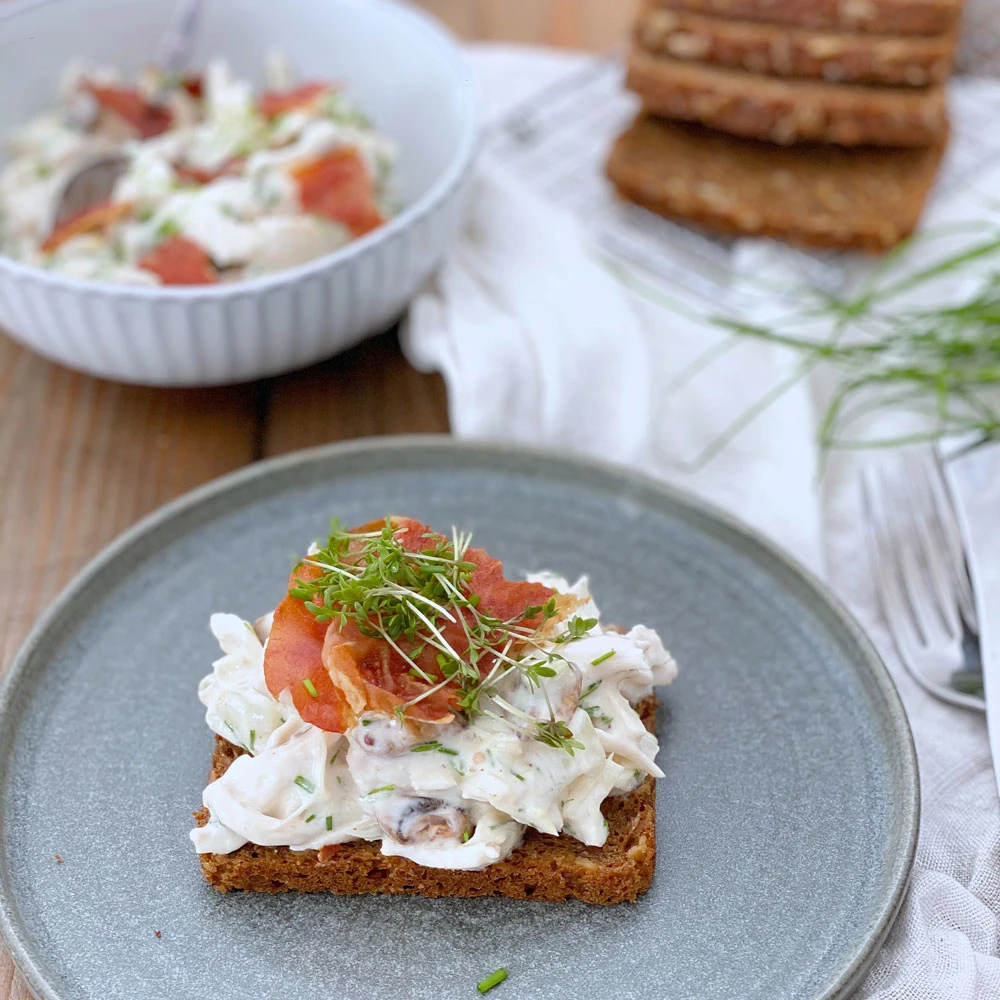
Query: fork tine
x,y
926,532
898,612
954,546
936,618
905,590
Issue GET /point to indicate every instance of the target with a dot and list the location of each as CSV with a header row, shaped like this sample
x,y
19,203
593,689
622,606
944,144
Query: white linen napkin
x,y
538,341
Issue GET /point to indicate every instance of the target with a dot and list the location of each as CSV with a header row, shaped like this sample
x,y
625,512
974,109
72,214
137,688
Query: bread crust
x,y
883,17
864,198
787,111
835,56
544,867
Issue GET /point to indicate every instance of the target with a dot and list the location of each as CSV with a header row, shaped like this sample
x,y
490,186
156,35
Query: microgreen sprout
x,y
421,604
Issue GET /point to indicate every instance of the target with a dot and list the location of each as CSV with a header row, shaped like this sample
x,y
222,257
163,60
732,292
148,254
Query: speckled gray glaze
x,y
786,821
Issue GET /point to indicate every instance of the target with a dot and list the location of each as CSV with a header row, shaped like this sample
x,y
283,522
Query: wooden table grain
x,y
82,459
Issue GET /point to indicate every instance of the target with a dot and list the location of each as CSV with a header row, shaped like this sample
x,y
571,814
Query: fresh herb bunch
x,y
940,363
409,599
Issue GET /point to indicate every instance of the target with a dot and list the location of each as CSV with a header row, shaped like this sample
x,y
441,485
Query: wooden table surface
x,y
82,459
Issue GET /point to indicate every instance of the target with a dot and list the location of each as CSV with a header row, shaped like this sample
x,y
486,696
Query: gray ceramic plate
x,y
786,821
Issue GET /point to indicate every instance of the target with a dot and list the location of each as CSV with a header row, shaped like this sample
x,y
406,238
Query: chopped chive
x,y
465,836
309,819
329,822
305,784
600,659
382,788
333,759
366,722
253,737
433,745
596,715
339,782
310,687
520,777
493,979
167,229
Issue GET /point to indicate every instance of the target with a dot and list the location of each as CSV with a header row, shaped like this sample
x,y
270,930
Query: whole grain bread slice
x,y
547,868
881,17
831,55
788,111
865,198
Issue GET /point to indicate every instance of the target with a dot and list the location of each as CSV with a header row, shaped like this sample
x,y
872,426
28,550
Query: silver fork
x,y
920,573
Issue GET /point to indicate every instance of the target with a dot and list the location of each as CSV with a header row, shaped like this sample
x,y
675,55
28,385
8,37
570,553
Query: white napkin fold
x,y
538,341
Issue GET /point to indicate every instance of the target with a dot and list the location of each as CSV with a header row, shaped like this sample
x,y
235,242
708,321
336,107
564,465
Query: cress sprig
x,y
408,598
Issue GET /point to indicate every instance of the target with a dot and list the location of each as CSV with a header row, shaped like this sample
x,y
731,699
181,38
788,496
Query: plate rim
x,y
838,988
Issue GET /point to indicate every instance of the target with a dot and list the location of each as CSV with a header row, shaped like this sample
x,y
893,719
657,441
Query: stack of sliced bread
x,y
817,121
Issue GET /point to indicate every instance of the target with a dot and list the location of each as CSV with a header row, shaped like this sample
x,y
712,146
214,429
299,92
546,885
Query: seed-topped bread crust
x,y
786,111
882,17
832,55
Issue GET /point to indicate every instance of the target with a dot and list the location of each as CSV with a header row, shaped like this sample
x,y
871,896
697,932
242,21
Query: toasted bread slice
x,y
882,17
788,111
864,198
831,55
547,868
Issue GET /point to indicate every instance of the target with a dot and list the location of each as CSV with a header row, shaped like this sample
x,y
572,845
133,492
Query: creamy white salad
x,y
457,795
220,182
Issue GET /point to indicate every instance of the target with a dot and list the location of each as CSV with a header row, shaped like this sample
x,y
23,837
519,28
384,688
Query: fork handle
x,y
974,481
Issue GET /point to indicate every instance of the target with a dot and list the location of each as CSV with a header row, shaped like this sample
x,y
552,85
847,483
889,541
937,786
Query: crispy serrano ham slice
x,y
335,673
180,261
147,119
338,187
278,102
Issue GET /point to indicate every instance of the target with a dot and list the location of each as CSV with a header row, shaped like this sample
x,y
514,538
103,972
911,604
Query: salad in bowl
x,y
236,222
215,181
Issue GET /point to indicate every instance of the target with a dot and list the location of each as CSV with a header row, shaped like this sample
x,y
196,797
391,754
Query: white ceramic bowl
x,y
406,73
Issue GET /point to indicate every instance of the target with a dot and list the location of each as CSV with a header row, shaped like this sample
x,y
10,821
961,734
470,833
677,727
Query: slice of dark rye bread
x,y
880,17
544,867
831,55
788,111
864,198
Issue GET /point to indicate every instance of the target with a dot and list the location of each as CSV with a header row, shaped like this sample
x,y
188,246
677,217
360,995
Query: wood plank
x,y
369,390
579,24
83,459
